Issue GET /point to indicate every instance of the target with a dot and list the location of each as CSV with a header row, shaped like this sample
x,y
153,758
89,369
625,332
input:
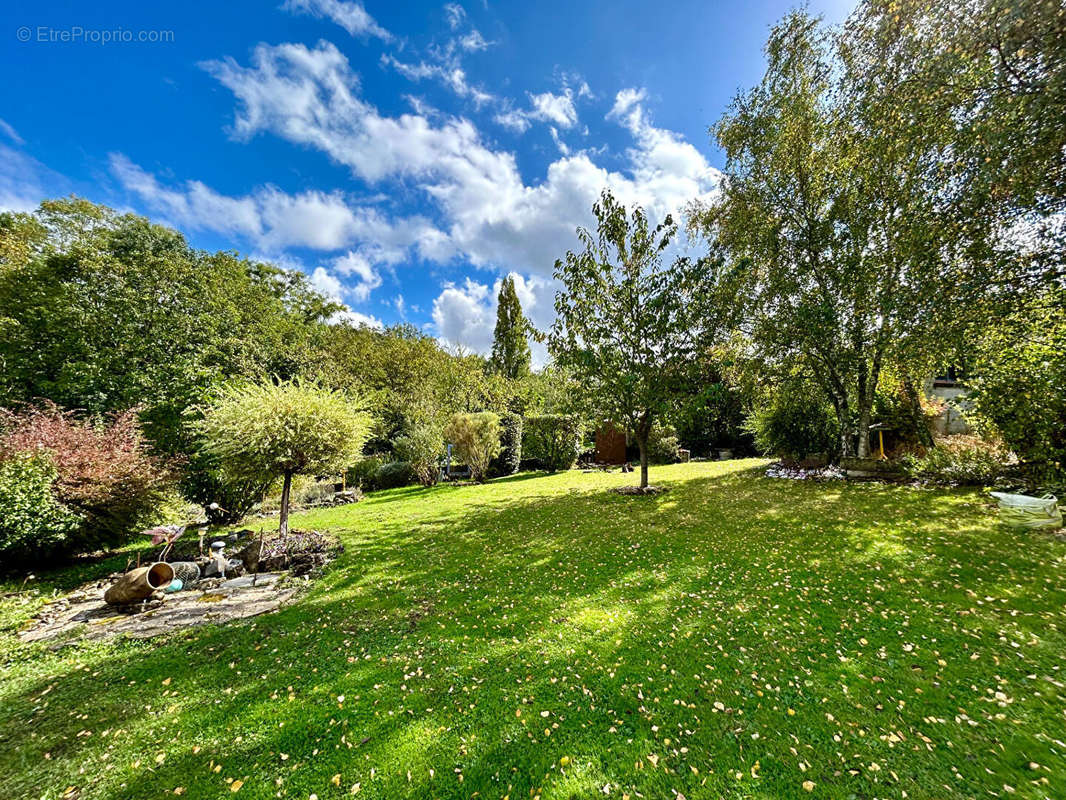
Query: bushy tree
x,y
422,447
103,471
476,438
628,328
510,347
836,219
284,429
1018,384
663,444
510,457
108,312
552,439
792,419
712,415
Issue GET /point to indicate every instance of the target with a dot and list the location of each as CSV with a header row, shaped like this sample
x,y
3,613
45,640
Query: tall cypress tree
x,y
510,349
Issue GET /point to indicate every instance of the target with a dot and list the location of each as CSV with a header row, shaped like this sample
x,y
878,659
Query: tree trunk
x,y
642,443
840,406
863,449
865,398
286,488
867,390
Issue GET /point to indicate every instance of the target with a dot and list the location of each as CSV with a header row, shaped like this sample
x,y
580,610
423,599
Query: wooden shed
x,y
610,445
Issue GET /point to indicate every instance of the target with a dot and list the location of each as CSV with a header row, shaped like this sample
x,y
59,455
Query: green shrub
x,y
361,474
104,473
422,447
510,457
960,461
32,522
1017,384
233,496
662,444
392,476
554,440
793,422
901,407
477,440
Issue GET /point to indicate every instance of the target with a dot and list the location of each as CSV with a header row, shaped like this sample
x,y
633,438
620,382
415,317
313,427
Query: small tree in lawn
x,y
628,328
477,440
284,429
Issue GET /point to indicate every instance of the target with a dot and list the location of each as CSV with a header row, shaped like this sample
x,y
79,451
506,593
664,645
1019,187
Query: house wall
x,y
950,421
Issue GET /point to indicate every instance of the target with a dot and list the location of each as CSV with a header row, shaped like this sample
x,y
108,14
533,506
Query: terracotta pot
x,y
139,584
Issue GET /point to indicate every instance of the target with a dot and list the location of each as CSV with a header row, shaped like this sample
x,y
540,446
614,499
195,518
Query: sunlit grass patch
x,y
539,635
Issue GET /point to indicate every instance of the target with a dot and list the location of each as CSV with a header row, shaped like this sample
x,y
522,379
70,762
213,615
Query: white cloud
x,y
557,108
627,102
563,147
350,15
451,75
327,284
273,220
473,41
462,316
7,130
358,265
482,208
455,14
332,288
25,181
444,62
357,320
517,121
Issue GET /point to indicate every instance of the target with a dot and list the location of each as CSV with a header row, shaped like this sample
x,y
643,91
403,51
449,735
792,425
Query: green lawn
x,y
541,636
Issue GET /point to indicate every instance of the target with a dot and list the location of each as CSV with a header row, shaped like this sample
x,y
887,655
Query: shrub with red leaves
x,y
104,473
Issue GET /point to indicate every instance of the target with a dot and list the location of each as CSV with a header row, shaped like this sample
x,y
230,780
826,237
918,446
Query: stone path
x,y
84,614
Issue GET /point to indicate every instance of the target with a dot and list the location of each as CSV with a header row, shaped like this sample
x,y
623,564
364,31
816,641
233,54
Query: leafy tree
x,y
477,440
510,349
407,378
712,416
833,221
552,439
1018,383
111,312
989,78
284,429
627,328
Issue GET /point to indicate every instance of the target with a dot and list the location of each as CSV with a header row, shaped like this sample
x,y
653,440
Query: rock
x,y
245,581
251,554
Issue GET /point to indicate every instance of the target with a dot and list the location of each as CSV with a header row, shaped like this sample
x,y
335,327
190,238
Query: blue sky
x,y
406,156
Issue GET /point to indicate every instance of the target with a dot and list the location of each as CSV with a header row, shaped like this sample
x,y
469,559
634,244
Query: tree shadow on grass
x,y
451,628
